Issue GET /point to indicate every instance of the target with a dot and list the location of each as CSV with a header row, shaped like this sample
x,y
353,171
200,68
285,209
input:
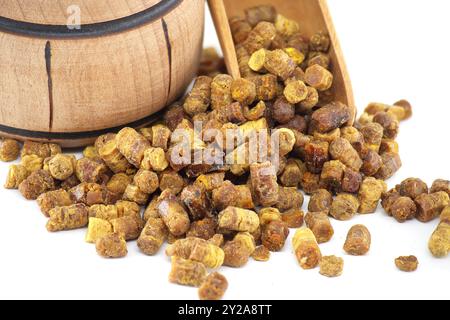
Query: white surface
x,y
394,49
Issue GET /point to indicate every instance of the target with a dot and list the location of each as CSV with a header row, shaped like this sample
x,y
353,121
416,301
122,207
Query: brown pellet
x,y
105,212
129,227
230,195
286,27
274,235
214,287
355,137
211,181
92,193
372,163
310,182
199,250
311,100
331,266
320,200
240,29
160,136
318,77
358,241
118,183
9,150
234,113
412,188
196,199
199,98
391,164
320,59
32,163
296,92
147,181
370,194
440,185
264,183
351,182
430,206
406,107
266,87
243,57
110,154
320,225
293,218
255,15
306,249
61,167
332,175
320,42
439,243
68,218
53,199
203,229
135,194
283,111
261,254
373,135
344,207
389,123
155,160
42,150
37,183
16,175
403,209
330,117
243,91
289,198
279,63
112,246
292,173
174,115
342,150
388,199
173,214
171,180
132,145
267,215
152,236
90,171
260,37
238,219
407,263
316,155
238,251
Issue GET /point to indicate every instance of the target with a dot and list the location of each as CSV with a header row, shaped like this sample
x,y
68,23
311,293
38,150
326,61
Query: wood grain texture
x,y
78,85
55,11
313,16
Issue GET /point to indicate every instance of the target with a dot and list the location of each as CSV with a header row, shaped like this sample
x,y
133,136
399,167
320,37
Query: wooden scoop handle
x,y
223,30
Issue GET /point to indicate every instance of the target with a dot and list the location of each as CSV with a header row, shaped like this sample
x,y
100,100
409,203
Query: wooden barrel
x,y
69,83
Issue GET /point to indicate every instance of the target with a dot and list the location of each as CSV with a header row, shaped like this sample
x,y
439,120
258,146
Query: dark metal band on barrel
x,y
77,135
89,30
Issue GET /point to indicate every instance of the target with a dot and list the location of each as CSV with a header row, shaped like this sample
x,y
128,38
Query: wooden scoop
x,y
312,15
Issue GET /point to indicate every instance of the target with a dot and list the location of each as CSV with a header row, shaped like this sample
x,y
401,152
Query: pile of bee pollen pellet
x,y
220,214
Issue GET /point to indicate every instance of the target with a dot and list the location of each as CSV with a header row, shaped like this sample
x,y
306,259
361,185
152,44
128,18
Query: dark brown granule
x,y
213,288
358,241
261,254
407,264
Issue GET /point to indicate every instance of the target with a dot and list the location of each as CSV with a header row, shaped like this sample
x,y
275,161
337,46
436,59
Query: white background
x,y
394,49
